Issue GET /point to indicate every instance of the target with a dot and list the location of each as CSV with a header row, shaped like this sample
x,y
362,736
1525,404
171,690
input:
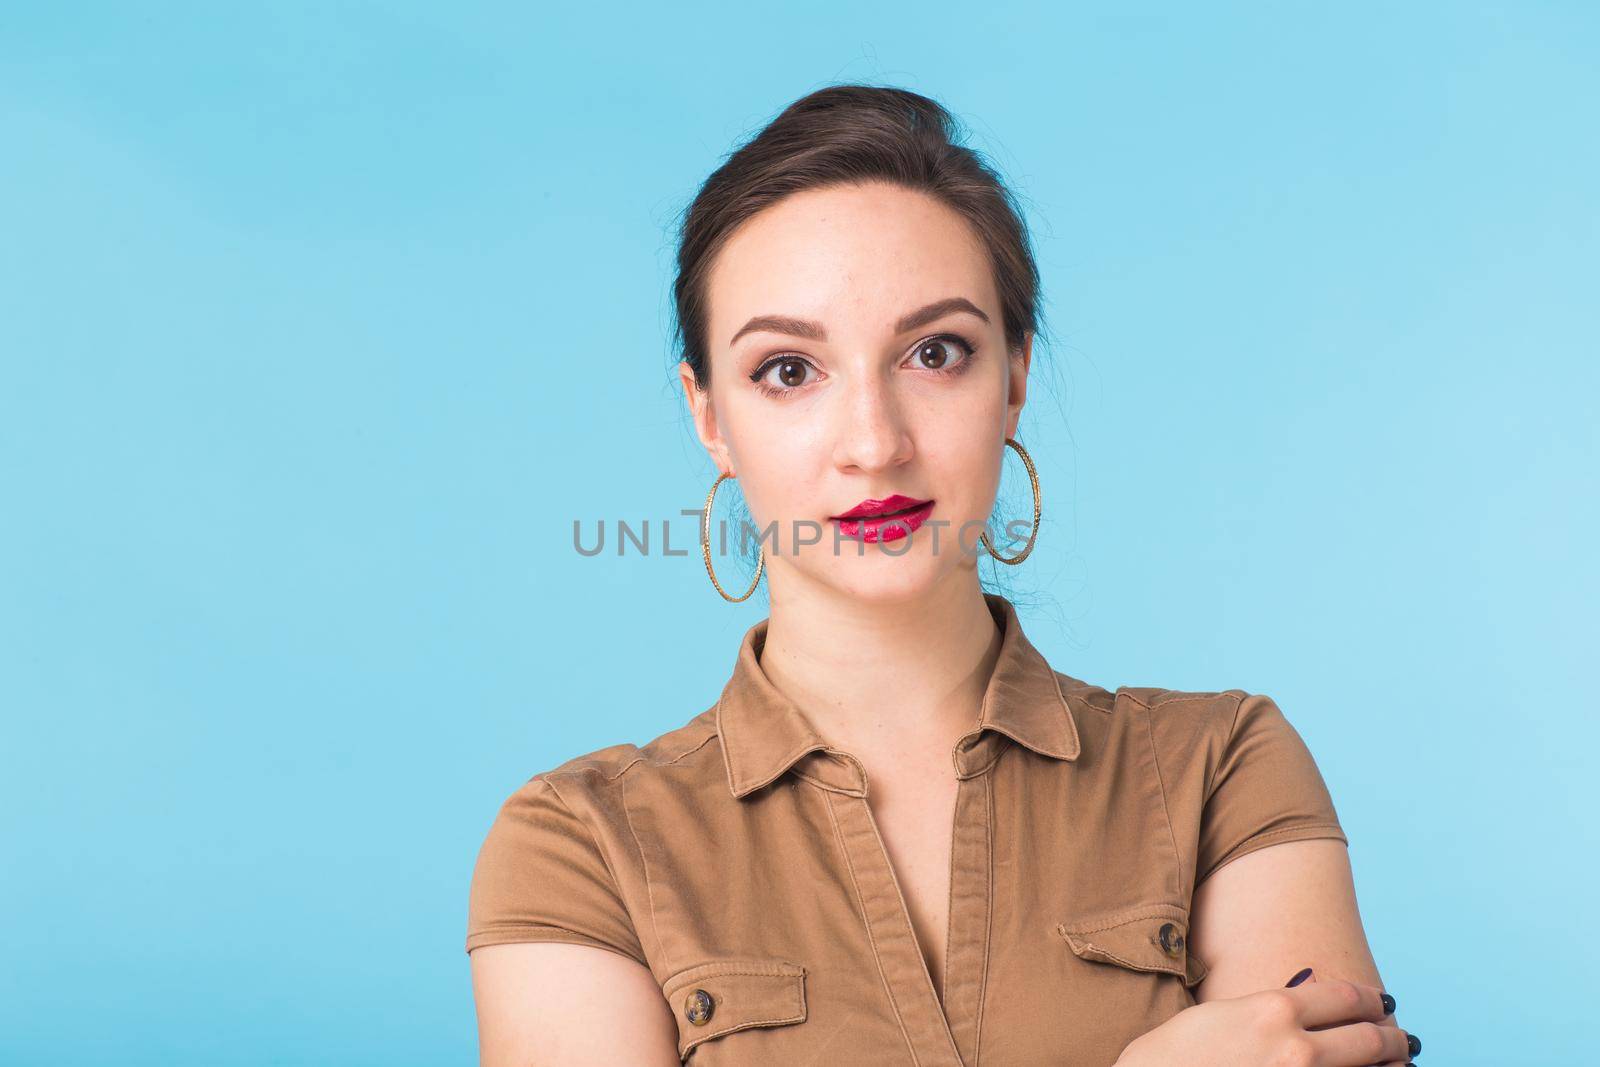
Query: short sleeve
x,y
540,876
1265,790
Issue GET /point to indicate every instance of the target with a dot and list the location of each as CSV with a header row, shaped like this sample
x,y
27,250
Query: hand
x,y
1274,1028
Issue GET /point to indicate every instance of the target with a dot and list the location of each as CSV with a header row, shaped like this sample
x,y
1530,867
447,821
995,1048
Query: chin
x,y
881,578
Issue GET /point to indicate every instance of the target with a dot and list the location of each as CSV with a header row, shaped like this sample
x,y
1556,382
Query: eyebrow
x,y
813,331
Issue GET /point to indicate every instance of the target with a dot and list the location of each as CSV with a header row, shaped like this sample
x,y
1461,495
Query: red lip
x,y
889,519
868,509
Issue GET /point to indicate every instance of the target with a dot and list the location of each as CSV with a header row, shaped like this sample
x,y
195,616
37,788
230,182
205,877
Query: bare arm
x,y
1256,921
549,1004
1264,916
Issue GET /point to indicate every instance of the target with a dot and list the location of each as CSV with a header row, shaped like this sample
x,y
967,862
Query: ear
x,y
1017,390
705,418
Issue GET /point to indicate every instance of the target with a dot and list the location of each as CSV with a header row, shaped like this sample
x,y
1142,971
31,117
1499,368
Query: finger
x,y
1359,1044
1337,1001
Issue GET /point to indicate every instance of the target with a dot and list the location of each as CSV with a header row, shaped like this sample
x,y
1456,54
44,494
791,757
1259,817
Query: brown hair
x,y
845,134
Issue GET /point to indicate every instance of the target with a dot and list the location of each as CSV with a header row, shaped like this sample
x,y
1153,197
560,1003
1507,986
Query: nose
x,y
871,433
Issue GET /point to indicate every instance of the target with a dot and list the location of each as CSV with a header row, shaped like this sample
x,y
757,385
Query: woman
x,y
899,836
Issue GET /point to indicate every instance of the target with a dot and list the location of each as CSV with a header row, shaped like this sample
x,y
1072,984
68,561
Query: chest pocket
x,y
712,1000
1149,937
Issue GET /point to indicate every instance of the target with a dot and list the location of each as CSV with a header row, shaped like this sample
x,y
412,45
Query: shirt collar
x,y
764,733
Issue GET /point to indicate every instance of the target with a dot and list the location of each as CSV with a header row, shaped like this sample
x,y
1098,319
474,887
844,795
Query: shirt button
x,y
697,1007
1171,940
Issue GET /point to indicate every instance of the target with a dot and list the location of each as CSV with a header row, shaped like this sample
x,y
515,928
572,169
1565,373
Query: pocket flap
x,y
1151,937
717,998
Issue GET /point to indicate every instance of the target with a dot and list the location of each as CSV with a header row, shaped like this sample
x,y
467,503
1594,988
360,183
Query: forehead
x,y
852,257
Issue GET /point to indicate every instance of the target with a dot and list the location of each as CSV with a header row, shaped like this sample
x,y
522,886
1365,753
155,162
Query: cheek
x,y
779,468
963,467
973,447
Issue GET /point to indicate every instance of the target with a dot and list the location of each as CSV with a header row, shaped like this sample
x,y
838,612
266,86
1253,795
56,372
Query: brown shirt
x,y
736,857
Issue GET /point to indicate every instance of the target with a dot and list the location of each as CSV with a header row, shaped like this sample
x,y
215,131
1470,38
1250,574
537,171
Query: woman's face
x,y
857,353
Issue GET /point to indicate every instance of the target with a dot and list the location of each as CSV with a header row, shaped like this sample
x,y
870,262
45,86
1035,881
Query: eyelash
x,y
968,350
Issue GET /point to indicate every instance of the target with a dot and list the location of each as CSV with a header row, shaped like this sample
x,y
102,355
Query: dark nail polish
x,y
1297,979
1388,1003
1413,1045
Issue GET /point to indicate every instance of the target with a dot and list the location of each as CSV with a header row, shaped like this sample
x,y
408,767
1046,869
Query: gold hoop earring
x,y
705,548
1033,476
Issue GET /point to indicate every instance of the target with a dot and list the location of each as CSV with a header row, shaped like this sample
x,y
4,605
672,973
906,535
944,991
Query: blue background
x,y
321,323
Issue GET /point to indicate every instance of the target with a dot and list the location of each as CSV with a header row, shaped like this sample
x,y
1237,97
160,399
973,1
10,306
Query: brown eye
x,y
946,354
782,375
932,355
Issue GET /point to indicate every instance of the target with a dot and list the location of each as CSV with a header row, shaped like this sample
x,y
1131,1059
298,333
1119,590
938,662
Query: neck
x,y
892,683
